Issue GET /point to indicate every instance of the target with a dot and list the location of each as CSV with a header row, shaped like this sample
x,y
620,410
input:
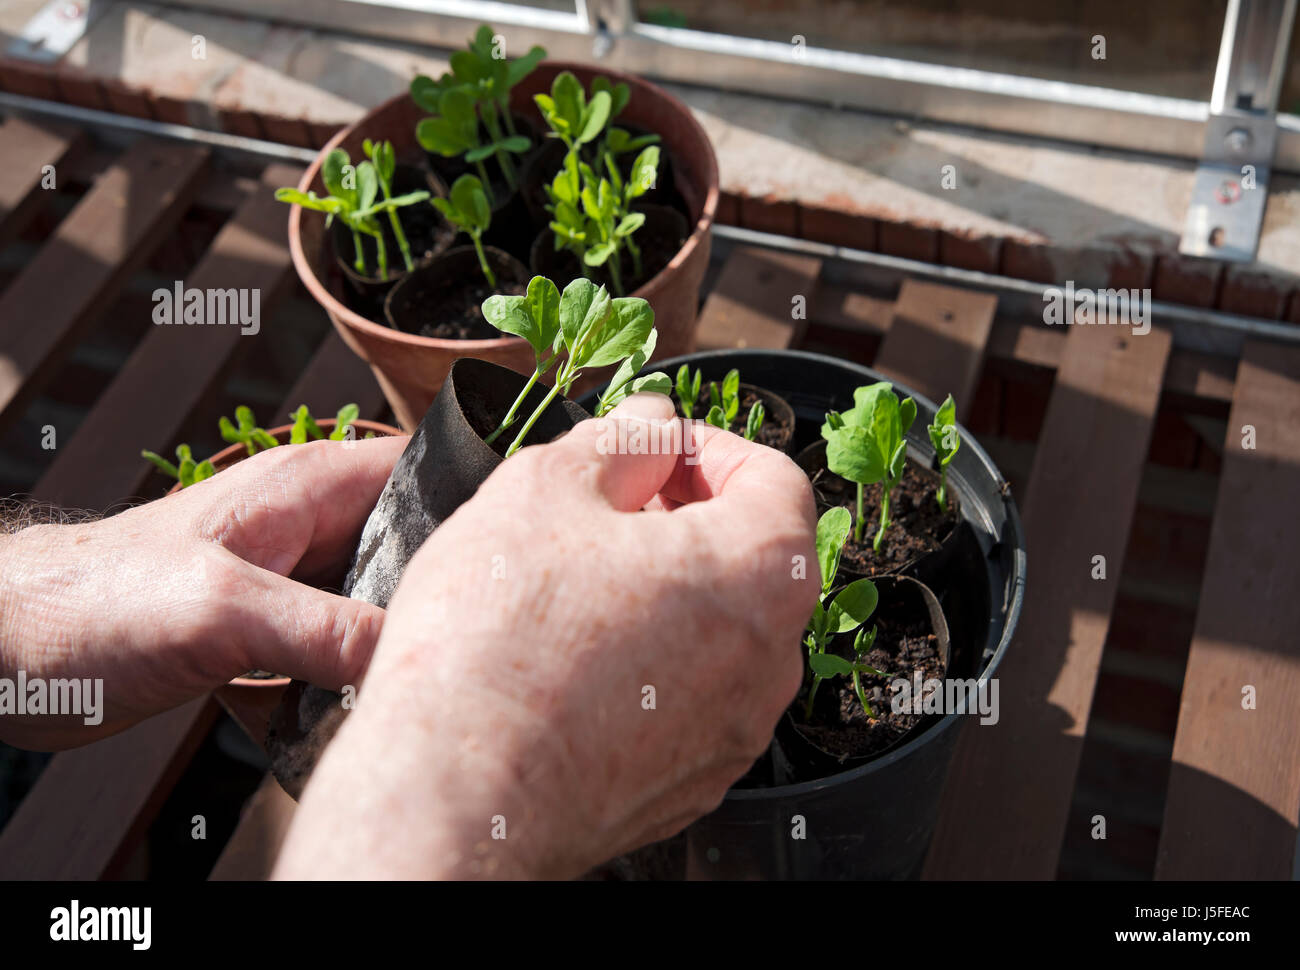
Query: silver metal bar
x,y
1230,190
1126,120
1194,328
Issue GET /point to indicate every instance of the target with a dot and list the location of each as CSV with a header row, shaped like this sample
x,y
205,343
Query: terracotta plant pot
x,y
410,369
233,455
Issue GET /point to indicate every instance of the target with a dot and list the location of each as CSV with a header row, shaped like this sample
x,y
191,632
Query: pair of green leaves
x,y
595,330
478,68
867,443
567,111
186,470
944,435
468,207
245,430
305,426
626,382
839,612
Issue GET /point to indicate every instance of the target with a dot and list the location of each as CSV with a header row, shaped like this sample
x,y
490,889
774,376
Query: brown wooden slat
x,y
1234,789
753,303
82,266
175,367
336,376
936,341
92,806
25,149
254,845
1008,796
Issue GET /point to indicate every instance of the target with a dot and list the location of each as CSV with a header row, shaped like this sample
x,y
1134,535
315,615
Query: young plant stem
x,y
812,694
636,256
359,260
615,278
532,418
382,255
862,696
398,234
511,415
884,521
861,519
482,259
942,495
502,156
487,185
506,116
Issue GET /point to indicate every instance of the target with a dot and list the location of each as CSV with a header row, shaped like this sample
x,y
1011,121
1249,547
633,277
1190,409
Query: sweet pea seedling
x,y
186,470
591,214
384,159
481,81
352,194
867,444
946,440
244,430
688,389
582,324
724,401
839,612
468,209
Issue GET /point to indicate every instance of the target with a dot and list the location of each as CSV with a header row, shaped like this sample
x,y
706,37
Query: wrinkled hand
x,y
512,682
168,600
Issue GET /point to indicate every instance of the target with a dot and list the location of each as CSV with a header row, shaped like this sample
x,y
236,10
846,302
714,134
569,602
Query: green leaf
x,y
583,304
862,644
852,606
906,414
544,307
630,224
332,174
228,432
517,144
566,92
367,185
644,172
625,382
204,470
829,665
832,531
597,255
754,423
594,117
943,433
853,453
470,204
161,463
425,92
345,416
510,314
716,418
521,67
621,334
480,153
298,434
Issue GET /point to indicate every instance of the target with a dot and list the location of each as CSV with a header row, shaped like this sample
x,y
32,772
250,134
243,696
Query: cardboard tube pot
x,y
409,368
441,469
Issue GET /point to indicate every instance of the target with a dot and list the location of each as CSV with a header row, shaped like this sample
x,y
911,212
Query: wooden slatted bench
x,y
1074,414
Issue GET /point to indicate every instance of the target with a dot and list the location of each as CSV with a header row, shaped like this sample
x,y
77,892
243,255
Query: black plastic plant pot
x,y
873,821
428,235
778,420
443,297
442,467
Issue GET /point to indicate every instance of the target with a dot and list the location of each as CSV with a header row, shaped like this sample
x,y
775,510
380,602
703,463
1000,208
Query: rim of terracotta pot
x,y
466,348
234,454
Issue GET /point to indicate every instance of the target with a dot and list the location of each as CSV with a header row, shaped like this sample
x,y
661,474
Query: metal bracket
x,y
1230,190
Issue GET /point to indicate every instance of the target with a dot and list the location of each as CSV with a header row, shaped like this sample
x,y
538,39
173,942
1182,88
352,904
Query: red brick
x,y
171,110
321,133
124,100
79,88
979,253
1027,261
1252,293
28,78
1131,270
287,131
242,123
1173,441
1187,280
777,217
909,242
1293,315
837,228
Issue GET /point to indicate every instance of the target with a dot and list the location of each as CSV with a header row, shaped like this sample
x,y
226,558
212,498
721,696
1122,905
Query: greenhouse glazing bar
x,y
1125,120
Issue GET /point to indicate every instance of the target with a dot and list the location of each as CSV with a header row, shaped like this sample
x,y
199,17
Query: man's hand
x,y
562,668
171,599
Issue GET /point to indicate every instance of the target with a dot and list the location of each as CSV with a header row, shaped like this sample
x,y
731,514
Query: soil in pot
x,y
661,237
918,526
444,298
911,645
778,418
